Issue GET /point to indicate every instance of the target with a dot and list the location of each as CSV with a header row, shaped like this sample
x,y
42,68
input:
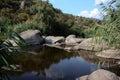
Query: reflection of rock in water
x,y
45,57
109,64
33,48
90,57
114,69
40,73
92,68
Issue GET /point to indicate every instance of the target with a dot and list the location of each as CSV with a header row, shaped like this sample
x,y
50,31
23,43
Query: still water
x,y
46,63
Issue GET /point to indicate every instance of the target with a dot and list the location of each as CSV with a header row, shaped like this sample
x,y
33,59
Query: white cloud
x,y
52,0
95,13
100,1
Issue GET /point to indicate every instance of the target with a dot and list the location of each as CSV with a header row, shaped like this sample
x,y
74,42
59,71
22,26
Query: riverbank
x,y
72,44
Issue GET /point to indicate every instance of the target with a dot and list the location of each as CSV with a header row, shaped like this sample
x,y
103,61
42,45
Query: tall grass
x,y
112,23
110,31
25,26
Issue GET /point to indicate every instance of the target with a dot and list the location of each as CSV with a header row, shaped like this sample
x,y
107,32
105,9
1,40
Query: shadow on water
x,y
46,63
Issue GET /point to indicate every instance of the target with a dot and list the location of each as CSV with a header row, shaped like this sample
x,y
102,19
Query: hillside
x,y
18,15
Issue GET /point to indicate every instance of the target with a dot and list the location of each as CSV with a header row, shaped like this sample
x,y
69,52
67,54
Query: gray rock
x,y
71,36
32,37
83,78
69,49
110,53
53,45
72,40
90,44
54,40
100,74
118,62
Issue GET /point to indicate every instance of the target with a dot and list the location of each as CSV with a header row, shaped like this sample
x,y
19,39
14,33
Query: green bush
x,y
4,22
77,31
25,26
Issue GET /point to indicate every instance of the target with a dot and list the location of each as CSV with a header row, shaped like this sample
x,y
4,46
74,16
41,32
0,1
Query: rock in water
x,y
100,74
110,53
54,40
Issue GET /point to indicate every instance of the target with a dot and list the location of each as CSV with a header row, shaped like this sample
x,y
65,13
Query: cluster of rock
x,y
71,43
75,44
100,74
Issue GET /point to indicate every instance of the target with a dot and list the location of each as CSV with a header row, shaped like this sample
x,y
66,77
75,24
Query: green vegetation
x,y
6,48
112,20
17,15
110,30
5,59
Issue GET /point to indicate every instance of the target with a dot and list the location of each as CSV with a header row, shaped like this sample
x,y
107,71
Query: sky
x,y
85,8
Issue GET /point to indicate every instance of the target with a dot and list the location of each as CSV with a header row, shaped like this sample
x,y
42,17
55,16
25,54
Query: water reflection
x,y
54,64
70,67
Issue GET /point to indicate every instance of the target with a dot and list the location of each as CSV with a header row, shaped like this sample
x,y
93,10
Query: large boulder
x,y
83,78
100,74
32,37
54,40
91,44
72,40
71,36
110,53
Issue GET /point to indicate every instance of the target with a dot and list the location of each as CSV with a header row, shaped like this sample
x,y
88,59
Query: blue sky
x,y
86,8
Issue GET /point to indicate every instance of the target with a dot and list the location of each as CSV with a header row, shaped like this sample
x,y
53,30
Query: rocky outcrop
x,y
90,44
72,40
32,37
54,40
110,53
100,75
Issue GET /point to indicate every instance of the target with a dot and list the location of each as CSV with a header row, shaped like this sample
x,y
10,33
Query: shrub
x,y
25,26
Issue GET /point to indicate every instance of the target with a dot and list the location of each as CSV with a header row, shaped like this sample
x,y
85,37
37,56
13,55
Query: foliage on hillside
x,y
18,15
